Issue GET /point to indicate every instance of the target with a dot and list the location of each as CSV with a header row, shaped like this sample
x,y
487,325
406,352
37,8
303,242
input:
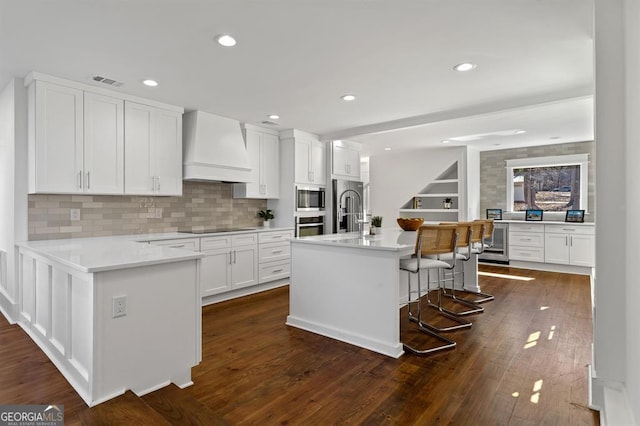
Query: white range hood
x,y
214,149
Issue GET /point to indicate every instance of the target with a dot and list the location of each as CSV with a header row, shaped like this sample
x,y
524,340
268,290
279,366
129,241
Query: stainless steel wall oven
x,y
307,226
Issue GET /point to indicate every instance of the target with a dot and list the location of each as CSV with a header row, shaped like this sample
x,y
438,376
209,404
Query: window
x,y
554,184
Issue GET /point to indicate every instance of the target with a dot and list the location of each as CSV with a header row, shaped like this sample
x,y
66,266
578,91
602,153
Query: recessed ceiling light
x,y
465,66
274,116
226,40
150,83
519,132
445,141
348,97
387,149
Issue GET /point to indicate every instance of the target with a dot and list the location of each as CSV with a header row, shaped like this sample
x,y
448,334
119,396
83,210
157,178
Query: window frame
x,y
581,160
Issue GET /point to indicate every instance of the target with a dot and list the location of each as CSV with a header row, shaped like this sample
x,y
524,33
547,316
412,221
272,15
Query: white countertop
x,y
119,252
546,222
388,239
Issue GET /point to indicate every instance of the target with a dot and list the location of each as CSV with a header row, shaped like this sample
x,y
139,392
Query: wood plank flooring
x,y
524,362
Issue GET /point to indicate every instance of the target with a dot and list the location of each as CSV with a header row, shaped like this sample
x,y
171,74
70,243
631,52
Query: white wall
x,y
616,340
13,188
632,145
396,177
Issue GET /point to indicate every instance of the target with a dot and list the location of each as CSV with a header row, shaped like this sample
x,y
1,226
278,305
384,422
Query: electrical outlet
x,y
75,214
159,213
119,306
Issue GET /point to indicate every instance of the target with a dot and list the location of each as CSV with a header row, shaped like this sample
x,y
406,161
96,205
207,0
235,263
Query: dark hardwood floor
x,y
524,362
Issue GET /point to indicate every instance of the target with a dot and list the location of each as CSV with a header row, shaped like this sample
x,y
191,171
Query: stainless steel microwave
x,y
309,198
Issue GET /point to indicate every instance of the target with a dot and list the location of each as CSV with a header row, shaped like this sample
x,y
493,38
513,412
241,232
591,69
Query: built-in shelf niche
x,y
428,203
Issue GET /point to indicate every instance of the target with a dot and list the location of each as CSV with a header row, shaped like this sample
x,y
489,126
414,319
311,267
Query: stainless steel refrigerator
x,y
347,205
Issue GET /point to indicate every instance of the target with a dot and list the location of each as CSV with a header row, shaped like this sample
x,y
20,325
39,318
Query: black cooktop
x,y
211,231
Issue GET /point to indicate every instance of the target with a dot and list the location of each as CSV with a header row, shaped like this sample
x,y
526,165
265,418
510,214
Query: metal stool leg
x,y
474,308
446,343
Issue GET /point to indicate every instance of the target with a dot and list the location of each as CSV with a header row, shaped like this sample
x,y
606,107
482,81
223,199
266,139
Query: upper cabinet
x,y
153,150
345,160
310,161
75,141
78,136
263,148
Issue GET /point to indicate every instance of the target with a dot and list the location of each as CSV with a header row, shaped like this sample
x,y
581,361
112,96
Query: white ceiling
x,y
295,58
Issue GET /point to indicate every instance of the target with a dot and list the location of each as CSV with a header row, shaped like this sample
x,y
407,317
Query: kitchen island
x,y
112,314
349,287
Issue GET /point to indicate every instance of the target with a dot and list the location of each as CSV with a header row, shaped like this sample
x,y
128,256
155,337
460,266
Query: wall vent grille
x,y
269,123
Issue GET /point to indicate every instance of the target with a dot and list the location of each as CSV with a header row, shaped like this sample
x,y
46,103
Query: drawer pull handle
x,y
278,270
276,251
178,246
568,229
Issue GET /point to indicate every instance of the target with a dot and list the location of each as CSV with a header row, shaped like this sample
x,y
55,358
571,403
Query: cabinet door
x,y
346,161
253,150
556,248
103,144
57,144
138,135
582,250
318,163
166,152
303,172
244,266
270,165
215,272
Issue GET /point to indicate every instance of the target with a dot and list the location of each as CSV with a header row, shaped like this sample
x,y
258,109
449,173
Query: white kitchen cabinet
x,y
346,160
263,149
526,242
153,150
274,256
570,245
230,262
103,144
78,141
310,161
56,138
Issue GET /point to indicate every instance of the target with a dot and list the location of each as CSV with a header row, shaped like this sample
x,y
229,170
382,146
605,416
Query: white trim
x,y
558,160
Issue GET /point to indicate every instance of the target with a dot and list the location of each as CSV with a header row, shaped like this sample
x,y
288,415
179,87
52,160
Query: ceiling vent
x,y
269,123
107,81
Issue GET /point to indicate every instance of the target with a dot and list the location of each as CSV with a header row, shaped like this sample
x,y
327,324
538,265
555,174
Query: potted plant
x,y
376,222
266,215
446,204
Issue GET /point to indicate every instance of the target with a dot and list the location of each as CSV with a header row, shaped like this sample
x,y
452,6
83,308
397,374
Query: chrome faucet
x,y
360,216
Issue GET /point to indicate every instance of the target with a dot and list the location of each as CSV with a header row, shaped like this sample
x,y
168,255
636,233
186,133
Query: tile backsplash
x,y
493,175
203,205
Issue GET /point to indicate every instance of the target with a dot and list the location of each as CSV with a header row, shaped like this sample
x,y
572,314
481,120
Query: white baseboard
x,y
610,398
8,307
245,291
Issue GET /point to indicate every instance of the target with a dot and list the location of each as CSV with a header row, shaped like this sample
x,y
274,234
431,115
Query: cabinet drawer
x,y
529,239
272,237
571,229
215,243
526,227
274,271
244,239
531,254
192,244
274,251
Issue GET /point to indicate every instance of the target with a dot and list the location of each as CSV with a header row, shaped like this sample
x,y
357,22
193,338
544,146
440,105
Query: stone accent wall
x,y
203,205
493,175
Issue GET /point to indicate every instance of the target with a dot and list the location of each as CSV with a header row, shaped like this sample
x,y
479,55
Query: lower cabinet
x,y
561,244
234,261
230,263
275,255
569,245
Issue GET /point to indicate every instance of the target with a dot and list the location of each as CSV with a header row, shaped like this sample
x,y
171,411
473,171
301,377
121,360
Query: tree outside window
x,y
553,184
551,188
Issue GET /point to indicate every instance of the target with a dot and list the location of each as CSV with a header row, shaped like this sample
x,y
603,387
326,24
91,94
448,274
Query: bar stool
x,y
479,242
431,240
466,230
